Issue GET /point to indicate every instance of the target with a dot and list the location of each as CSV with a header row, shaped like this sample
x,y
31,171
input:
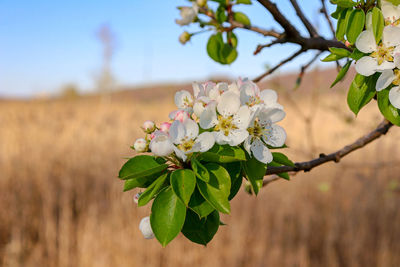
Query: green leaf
x,y
342,73
232,39
140,166
391,113
394,2
141,182
235,172
223,154
199,205
220,14
336,14
357,54
282,159
183,183
332,57
199,170
378,23
214,46
342,24
284,175
344,3
241,18
200,231
355,25
167,216
255,172
152,190
246,2
340,51
217,190
228,54
361,91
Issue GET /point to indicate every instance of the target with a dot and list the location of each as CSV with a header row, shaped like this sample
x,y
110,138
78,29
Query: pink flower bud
x,y
165,127
140,145
152,135
347,43
136,198
179,115
149,126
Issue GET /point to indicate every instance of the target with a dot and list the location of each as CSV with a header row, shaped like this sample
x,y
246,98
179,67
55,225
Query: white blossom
x,y
188,14
263,131
381,56
185,135
230,123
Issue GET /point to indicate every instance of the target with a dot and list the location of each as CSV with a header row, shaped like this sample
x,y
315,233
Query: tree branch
x,y
382,129
311,30
279,17
327,18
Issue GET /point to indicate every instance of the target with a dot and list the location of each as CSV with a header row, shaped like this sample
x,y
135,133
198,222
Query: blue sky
x,y
45,44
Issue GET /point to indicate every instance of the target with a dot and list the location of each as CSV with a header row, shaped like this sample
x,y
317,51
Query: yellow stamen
x,y
225,125
383,53
396,80
186,145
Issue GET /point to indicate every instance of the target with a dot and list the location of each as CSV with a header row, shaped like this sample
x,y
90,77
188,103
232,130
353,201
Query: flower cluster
x,y
236,114
383,55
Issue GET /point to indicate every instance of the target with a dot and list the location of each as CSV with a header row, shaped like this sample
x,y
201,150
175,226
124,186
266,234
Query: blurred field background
x,y
61,203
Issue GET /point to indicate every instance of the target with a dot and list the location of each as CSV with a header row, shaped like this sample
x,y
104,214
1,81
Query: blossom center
x,y
396,80
254,100
383,53
258,130
186,145
225,125
392,21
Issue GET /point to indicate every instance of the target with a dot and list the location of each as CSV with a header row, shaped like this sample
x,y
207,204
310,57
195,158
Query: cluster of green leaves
x,y
190,199
222,46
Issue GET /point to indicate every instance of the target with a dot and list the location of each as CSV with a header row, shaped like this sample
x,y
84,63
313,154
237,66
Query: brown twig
x,y
311,30
306,166
327,17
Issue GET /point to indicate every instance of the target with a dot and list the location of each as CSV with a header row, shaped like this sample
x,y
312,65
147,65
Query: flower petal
x,y
269,97
366,42
248,92
208,117
180,154
220,138
366,66
236,137
198,90
247,144
394,96
242,118
206,141
191,129
161,145
177,132
277,137
229,104
386,65
261,151
391,36
397,60
389,11
385,80
271,115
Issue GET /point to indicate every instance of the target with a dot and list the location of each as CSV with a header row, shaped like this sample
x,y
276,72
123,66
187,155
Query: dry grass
x,y
61,203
